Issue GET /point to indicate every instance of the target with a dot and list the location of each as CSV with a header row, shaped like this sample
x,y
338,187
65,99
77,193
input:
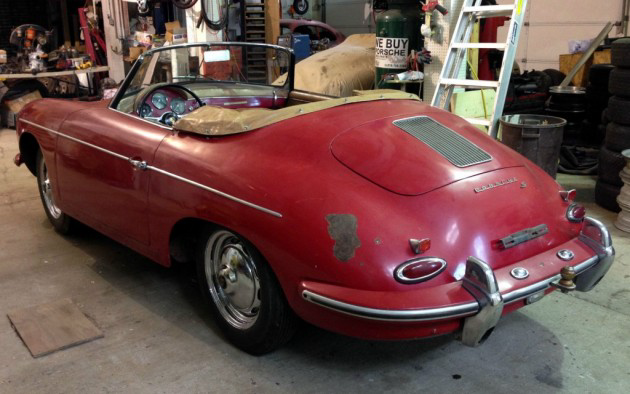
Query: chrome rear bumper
x,y
483,314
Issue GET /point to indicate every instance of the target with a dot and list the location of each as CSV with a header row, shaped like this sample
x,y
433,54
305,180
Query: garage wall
x,y
551,24
350,16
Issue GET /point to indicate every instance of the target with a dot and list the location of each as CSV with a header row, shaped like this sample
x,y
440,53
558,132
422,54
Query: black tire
x,y
620,52
619,110
244,295
610,164
61,222
556,76
601,132
599,74
619,83
596,102
617,137
606,196
300,6
605,117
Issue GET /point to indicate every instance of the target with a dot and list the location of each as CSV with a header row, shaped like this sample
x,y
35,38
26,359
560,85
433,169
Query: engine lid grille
x,y
455,148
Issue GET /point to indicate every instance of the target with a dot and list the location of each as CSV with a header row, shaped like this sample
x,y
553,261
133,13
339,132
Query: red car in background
x,y
375,216
316,30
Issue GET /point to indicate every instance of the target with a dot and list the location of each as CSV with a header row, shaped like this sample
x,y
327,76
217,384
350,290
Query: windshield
x,y
198,73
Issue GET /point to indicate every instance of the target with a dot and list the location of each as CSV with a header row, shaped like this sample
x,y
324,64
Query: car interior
x,y
170,84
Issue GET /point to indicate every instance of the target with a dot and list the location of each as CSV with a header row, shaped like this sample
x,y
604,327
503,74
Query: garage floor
x,y
160,338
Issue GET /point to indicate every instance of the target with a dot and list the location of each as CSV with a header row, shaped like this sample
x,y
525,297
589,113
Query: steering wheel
x,y
165,86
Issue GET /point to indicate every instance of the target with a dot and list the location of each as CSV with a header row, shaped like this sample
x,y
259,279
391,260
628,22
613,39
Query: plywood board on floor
x,y
53,326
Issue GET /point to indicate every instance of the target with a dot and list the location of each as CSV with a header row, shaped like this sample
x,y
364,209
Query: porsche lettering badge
x,y
493,185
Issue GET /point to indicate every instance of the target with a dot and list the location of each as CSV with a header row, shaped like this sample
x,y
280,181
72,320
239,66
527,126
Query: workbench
x,y
51,74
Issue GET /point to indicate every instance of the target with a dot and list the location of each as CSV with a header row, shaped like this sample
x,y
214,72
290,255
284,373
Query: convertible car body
x,y
376,216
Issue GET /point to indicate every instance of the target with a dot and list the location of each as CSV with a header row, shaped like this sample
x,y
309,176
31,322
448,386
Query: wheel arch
x,y
184,237
186,234
29,147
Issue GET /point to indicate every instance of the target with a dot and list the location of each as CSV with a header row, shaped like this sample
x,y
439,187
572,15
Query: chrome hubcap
x,y
233,281
47,192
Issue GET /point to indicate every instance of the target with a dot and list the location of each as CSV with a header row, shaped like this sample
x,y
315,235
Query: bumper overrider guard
x,y
482,315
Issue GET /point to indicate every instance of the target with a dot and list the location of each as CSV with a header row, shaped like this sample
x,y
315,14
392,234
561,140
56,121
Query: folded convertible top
x,y
212,120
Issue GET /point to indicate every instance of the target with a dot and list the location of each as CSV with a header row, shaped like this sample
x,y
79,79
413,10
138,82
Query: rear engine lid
x,y
414,155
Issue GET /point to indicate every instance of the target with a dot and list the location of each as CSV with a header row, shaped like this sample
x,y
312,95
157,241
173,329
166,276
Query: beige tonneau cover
x,y
212,120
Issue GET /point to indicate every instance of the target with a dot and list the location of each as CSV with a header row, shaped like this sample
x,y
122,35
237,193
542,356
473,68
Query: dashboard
x,y
167,102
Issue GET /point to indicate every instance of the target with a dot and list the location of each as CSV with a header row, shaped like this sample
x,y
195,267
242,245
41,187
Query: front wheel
x,y
61,222
243,293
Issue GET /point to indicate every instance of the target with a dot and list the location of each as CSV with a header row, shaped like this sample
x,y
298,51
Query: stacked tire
x,y
617,139
597,96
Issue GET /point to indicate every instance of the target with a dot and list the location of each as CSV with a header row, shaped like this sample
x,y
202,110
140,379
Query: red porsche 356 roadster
x,y
376,216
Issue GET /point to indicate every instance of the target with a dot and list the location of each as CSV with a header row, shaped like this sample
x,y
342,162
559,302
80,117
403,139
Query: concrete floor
x,y
160,338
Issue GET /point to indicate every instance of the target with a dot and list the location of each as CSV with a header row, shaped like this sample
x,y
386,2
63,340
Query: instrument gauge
x,y
159,100
178,106
145,110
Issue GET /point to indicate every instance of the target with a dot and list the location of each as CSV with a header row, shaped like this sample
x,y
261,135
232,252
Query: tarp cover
x,y
339,70
212,120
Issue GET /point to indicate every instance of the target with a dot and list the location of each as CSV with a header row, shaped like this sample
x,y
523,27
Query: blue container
x,y
301,46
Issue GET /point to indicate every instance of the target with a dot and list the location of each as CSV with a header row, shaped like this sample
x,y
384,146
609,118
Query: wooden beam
x,y
113,26
66,24
272,21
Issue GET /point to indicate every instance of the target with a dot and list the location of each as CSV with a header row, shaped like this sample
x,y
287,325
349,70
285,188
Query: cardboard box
x,y
16,105
581,78
170,28
180,36
7,118
135,52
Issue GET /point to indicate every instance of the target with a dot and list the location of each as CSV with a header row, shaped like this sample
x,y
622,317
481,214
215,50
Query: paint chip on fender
x,y
342,228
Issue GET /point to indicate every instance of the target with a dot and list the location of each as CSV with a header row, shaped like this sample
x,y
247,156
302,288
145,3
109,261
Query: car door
x,y
100,158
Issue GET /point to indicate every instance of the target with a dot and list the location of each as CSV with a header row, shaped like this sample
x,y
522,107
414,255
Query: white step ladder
x,y
460,43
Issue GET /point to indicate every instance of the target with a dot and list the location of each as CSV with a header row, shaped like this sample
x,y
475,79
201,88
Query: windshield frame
x,y
136,66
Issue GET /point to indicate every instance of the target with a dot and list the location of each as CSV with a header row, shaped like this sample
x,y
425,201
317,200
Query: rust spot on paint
x,y
342,228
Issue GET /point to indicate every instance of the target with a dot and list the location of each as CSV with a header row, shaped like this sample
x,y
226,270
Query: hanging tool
x,y
428,8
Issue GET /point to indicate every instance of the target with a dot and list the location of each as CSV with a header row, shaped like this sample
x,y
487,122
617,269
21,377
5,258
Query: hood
x,y
415,155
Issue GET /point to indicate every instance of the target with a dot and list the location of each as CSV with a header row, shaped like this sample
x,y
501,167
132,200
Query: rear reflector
x,y
420,245
419,270
568,195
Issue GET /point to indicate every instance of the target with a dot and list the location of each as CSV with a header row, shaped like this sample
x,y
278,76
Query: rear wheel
x,y
243,293
61,222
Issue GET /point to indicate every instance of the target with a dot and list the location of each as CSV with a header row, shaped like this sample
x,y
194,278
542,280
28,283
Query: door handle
x,y
139,164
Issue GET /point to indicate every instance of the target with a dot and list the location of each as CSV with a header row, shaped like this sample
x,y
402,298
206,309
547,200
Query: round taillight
x,y
419,270
576,213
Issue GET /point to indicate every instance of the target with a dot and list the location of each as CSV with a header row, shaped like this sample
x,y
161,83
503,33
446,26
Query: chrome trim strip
x,y
109,152
441,313
214,43
448,312
215,191
199,185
